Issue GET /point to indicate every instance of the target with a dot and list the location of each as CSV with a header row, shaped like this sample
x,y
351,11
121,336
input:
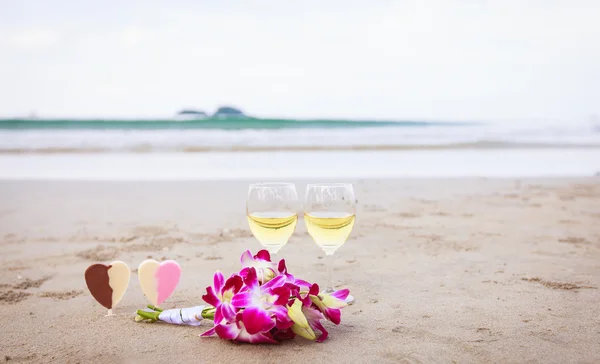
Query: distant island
x,y
223,112
192,113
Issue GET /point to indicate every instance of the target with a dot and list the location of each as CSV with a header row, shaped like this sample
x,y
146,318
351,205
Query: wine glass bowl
x,y
272,212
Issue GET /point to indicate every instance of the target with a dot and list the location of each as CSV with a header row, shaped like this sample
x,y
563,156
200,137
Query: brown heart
x,y
97,280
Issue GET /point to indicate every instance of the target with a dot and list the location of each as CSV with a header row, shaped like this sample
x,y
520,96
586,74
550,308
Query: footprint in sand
x,y
60,296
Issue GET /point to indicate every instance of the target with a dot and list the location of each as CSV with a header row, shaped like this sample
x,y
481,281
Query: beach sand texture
x,y
462,270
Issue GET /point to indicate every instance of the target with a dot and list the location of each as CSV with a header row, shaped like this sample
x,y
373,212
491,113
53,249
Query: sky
x,y
425,60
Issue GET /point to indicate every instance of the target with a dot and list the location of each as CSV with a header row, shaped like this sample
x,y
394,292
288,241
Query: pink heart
x,y
167,278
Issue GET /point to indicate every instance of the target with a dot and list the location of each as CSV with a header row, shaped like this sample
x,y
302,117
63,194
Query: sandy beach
x,y
443,271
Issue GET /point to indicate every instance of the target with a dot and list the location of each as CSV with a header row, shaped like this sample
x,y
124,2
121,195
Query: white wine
x,y
329,230
272,229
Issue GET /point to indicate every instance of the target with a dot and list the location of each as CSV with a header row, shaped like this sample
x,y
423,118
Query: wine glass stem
x,y
329,263
273,253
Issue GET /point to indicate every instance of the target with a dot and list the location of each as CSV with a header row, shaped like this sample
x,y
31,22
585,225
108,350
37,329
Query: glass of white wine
x,y
329,214
272,211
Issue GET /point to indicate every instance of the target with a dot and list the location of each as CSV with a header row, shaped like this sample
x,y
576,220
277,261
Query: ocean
x,y
285,148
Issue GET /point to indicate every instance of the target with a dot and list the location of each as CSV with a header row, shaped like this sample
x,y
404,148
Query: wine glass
x,y
272,214
329,214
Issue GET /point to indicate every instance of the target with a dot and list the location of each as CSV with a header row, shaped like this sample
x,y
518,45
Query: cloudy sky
x,y
457,60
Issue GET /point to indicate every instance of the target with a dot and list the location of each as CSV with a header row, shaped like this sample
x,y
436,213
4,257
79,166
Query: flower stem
x,y
152,316
154,308
209,313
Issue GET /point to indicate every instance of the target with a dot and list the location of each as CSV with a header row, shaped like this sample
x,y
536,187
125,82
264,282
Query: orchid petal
x,y
280,312
260,338
306,301
334,315
313,316
317,301
283,270
332,302
282,321
218,281
275,282
227,311
234,284
242,299
246,258
264,255
295,313
341,294
218,319
302,283
331,313
281,267
283,295
284,325
211,298
209,332
324,334
244,272
229,332
251,279
305,332
314,289
256,320
294,289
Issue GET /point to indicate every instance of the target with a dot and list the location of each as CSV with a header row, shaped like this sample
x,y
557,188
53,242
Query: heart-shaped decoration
x,y
158,280
108,283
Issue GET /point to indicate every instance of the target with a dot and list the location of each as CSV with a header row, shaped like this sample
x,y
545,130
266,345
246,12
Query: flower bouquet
x,y
262,303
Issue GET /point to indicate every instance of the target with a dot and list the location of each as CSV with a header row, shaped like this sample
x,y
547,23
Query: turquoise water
x,y
254,134
221,124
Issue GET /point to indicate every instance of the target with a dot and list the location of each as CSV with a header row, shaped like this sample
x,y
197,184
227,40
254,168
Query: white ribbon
x,y
183,316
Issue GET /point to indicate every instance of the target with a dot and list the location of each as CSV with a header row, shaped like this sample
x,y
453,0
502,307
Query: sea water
x,y
280,149
200,135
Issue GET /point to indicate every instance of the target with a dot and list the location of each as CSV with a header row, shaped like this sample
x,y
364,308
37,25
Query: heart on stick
x,y
158,280
108,283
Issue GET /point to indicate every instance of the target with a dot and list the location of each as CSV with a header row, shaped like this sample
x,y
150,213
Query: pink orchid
x,y
313,316
261,302
222,291
330,303
264,303
232,328
261,262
